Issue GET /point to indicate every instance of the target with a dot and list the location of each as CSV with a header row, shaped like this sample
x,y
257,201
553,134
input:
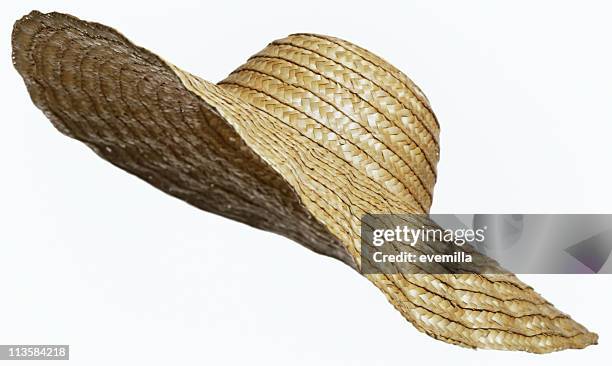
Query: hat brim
x,y
132,109
203,144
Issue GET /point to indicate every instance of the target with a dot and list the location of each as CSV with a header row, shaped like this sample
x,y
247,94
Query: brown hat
x,y
306,137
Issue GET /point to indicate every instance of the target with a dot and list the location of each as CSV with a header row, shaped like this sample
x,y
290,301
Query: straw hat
x,y
302,140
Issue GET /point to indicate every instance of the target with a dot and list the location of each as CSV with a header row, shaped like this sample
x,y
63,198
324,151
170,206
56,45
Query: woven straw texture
x,y
302,140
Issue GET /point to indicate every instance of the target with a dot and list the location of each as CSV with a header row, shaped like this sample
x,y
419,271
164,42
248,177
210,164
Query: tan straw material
x,y
302,140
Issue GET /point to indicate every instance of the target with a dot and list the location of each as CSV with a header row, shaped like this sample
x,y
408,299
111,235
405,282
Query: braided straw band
x,y
302,140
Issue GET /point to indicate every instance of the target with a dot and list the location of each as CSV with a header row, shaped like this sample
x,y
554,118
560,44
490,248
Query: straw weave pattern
x,y
303,139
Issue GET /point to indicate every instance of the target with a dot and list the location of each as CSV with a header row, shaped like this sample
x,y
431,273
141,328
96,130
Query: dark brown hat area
x,y
132,110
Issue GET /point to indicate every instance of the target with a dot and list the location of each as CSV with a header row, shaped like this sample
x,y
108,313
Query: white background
x,y
95,258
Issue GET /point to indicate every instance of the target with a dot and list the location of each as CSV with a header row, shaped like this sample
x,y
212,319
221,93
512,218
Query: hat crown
x,y
352,102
